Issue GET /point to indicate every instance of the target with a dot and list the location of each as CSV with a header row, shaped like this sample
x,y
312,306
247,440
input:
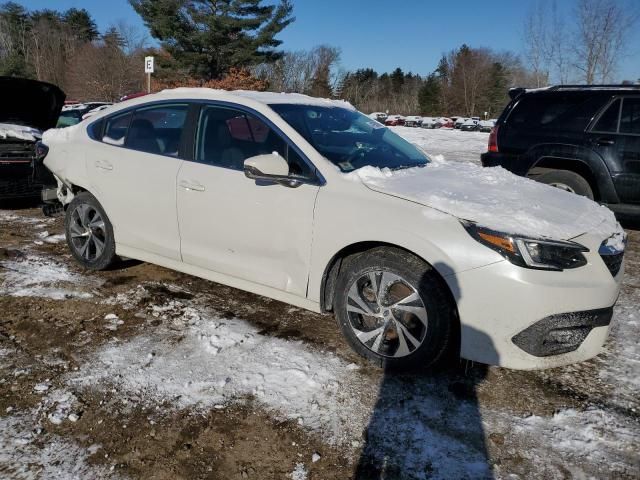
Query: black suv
x,y
583,139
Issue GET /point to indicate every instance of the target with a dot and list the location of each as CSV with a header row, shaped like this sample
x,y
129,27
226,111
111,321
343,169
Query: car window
x,y
116,129
608,122
349,139
569,112
157,129
630,117
227,137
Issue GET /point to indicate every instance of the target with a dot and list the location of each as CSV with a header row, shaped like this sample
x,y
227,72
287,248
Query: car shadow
x,y
20,203
427,424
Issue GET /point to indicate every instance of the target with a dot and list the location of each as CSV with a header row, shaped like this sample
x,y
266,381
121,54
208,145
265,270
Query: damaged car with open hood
x,y
27,108
309,202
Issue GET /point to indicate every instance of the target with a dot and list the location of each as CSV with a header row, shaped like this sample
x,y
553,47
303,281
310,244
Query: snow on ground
x,y
453,145
36,276
205,362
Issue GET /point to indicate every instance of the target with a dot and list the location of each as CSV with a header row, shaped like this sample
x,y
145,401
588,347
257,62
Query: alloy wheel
x,y
87,232
386,314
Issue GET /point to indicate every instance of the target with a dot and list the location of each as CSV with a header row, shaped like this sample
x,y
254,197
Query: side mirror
x,y
269,168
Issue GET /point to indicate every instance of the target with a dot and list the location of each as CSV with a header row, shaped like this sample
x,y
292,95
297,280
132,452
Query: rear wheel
x,y
393,308
89,233
568,181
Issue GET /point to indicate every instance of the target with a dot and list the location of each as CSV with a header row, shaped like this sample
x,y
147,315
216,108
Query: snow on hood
x,y
496,199
8,130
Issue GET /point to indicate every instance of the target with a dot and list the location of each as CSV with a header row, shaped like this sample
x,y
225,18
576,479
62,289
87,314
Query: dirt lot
x,y
141,372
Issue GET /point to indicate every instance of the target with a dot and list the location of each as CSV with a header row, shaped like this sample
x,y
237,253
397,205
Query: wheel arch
x,y
332,270
583,161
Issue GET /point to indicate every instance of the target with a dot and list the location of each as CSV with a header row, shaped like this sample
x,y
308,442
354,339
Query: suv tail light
x,y
493,139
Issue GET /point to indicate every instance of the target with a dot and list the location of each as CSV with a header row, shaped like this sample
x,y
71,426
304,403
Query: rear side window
x,y
608,122
157,129
630,118
116,129
569,112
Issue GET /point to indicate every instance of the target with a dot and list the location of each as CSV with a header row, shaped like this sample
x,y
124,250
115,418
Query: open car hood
x,y
495,198
30,103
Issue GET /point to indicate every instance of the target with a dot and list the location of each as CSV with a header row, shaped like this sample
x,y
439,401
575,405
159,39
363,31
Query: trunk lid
x,y
29,103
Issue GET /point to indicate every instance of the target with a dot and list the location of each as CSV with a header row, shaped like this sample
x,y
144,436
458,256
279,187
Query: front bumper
x,y
498,302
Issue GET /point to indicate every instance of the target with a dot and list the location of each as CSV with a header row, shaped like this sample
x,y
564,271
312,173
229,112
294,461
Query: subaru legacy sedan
x,y
312,203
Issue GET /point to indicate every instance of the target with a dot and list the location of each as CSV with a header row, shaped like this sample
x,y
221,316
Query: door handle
x,y
103,165
603,142
194,186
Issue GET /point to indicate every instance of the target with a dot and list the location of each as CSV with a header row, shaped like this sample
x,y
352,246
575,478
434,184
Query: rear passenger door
x,y
615,135
133,169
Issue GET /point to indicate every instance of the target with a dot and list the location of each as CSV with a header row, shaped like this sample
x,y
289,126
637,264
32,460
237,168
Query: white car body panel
x,y
278,241
269,241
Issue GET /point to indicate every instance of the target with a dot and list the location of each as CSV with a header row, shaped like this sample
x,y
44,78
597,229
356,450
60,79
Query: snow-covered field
x,y
129,355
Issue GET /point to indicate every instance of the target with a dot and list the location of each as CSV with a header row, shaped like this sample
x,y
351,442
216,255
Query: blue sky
x,y
383,34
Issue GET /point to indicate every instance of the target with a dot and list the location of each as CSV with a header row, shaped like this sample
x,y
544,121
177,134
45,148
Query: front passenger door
x,y
254,231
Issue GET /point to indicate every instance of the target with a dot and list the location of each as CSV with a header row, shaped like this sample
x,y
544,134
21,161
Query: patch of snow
x,y
28,455
20,132
299,472
35,276
61,135
266,98
495,198
453,145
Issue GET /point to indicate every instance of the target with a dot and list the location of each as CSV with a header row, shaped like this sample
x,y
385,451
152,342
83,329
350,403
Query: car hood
x,y
494,198
30,103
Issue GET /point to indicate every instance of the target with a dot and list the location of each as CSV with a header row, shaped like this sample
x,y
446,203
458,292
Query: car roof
x,y
265,98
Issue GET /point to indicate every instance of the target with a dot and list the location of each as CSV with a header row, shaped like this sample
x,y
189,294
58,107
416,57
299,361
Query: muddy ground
x,y
51,328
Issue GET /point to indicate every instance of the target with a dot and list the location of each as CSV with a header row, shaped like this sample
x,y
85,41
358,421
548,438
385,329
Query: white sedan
x,y
312,203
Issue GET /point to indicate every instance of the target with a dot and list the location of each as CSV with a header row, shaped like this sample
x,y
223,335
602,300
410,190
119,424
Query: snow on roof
x,y
266,98
21,132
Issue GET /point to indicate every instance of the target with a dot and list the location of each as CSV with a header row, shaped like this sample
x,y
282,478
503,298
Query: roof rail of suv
x,y
618,86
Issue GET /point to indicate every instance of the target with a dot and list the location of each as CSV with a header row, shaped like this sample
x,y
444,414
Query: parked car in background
x,y
444,122
413,121
487,125
288,166
27,108
72,114
93,111
394,120
459,121
470,125
428,122
378,116
582,139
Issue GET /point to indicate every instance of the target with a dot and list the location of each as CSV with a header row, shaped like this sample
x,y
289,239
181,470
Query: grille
x,y
613,262
16,151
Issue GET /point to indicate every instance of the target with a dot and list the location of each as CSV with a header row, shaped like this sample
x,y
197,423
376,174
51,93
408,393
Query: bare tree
x,y
602,34
536,38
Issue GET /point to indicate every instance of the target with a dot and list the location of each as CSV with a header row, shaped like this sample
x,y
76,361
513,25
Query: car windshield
x,y
349,139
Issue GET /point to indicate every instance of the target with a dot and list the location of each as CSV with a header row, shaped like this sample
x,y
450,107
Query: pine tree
x,y
207,37
397,79
429,96
81,24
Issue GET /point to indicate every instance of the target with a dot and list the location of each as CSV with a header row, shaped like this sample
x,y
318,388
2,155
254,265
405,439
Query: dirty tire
x,y
99,250
387,265
568,181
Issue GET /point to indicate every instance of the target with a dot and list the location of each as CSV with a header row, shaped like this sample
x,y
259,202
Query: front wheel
x,y
393,308
89,233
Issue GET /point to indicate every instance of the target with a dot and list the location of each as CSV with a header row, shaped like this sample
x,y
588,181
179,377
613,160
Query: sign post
x,y
148,69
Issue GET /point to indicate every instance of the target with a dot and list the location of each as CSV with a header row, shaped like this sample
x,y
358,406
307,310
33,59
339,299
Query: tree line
x,y
233,44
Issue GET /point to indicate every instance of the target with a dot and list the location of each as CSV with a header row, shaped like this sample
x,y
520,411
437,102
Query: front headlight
x,y
535,253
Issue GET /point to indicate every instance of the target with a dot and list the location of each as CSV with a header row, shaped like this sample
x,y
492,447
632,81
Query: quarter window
x,y
227,137
608,122
116,129
157,129
630,118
